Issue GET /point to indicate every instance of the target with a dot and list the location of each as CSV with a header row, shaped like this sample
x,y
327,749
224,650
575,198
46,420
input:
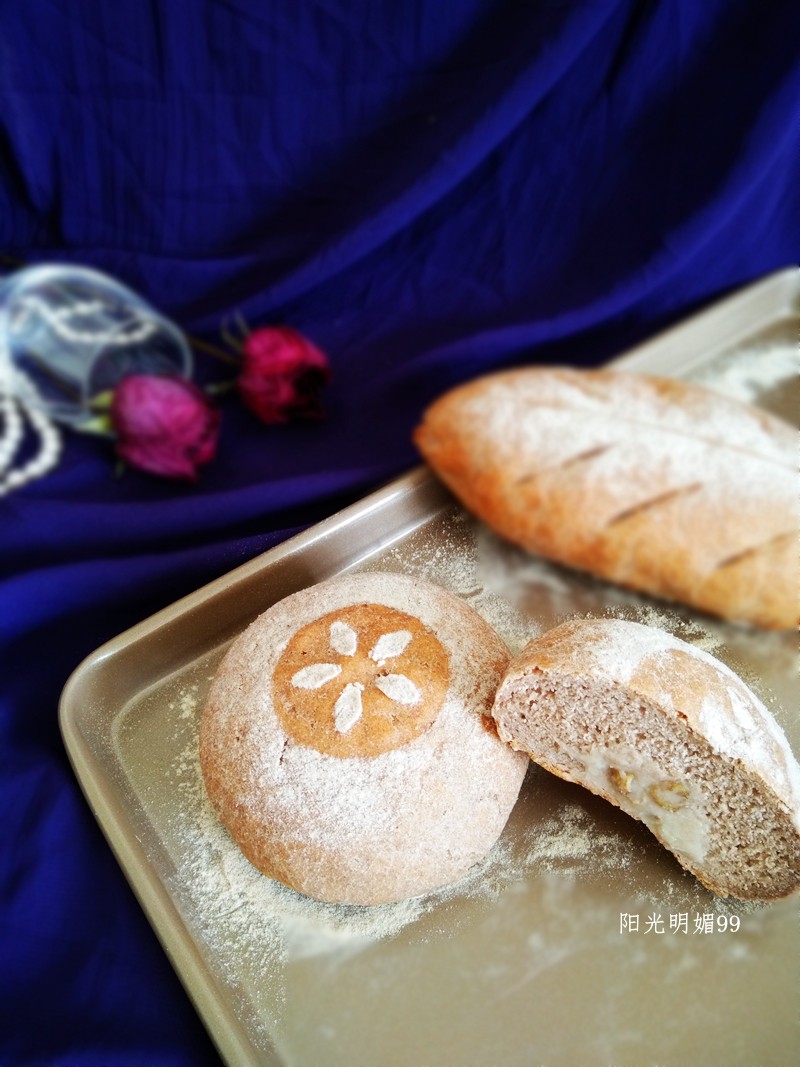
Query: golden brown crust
x,y
658,485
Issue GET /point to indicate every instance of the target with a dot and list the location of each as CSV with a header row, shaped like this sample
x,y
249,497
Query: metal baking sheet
x,y
578,940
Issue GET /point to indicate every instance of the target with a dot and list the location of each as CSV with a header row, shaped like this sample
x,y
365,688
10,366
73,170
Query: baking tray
x,y
578,940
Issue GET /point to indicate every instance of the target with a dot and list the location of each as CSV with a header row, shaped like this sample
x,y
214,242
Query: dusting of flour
x,y
248,923
750,372
242,913
247,920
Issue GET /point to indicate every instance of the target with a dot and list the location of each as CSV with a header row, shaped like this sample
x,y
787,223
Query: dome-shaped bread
x,y
670,735
347,742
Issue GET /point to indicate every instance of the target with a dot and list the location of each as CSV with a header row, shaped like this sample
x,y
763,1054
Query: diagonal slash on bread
x,y
656,484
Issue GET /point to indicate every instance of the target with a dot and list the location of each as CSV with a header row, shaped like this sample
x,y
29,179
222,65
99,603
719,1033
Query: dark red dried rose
x,y
164,425
282,375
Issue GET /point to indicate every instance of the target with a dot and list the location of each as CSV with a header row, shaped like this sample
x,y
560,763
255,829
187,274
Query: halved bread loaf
x,y
670,735
659,485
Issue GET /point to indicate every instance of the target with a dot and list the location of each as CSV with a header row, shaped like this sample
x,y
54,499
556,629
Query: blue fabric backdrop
x,y
427,191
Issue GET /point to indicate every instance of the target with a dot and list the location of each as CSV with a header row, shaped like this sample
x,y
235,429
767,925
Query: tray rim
x,y
218,1017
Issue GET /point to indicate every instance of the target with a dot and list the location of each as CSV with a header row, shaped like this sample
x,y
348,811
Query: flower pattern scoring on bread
x,y
360,681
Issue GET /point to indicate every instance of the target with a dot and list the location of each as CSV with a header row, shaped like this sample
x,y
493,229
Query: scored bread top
x,y
360,680
654,483
347,742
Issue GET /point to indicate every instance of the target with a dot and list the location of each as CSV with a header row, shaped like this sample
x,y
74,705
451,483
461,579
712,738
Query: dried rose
x,y
164,425
282,375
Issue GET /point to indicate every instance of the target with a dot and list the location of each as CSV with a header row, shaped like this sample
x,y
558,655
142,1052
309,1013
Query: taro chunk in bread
x,y
670,735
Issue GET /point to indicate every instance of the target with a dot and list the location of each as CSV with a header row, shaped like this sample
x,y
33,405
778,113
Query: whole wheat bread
x,y
670,735
347,743
659,485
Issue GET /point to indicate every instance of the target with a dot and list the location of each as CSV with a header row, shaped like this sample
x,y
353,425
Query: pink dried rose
x,y
164,425
282,375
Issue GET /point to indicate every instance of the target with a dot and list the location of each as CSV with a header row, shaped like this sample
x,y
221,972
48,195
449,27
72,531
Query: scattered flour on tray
x,y
448,554
241,912
752,371
248,921
244,917
569,836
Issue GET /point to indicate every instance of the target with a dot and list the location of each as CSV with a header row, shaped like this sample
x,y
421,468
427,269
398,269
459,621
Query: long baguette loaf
x,y
671,736
655,484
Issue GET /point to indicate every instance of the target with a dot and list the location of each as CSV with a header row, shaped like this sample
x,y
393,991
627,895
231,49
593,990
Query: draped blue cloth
x,y
428,191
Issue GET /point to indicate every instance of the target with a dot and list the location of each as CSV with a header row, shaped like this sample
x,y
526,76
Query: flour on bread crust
x,y
670,735
347,743
660,485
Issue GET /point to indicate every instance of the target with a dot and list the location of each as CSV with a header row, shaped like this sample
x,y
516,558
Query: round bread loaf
x,y
670,735
347,742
